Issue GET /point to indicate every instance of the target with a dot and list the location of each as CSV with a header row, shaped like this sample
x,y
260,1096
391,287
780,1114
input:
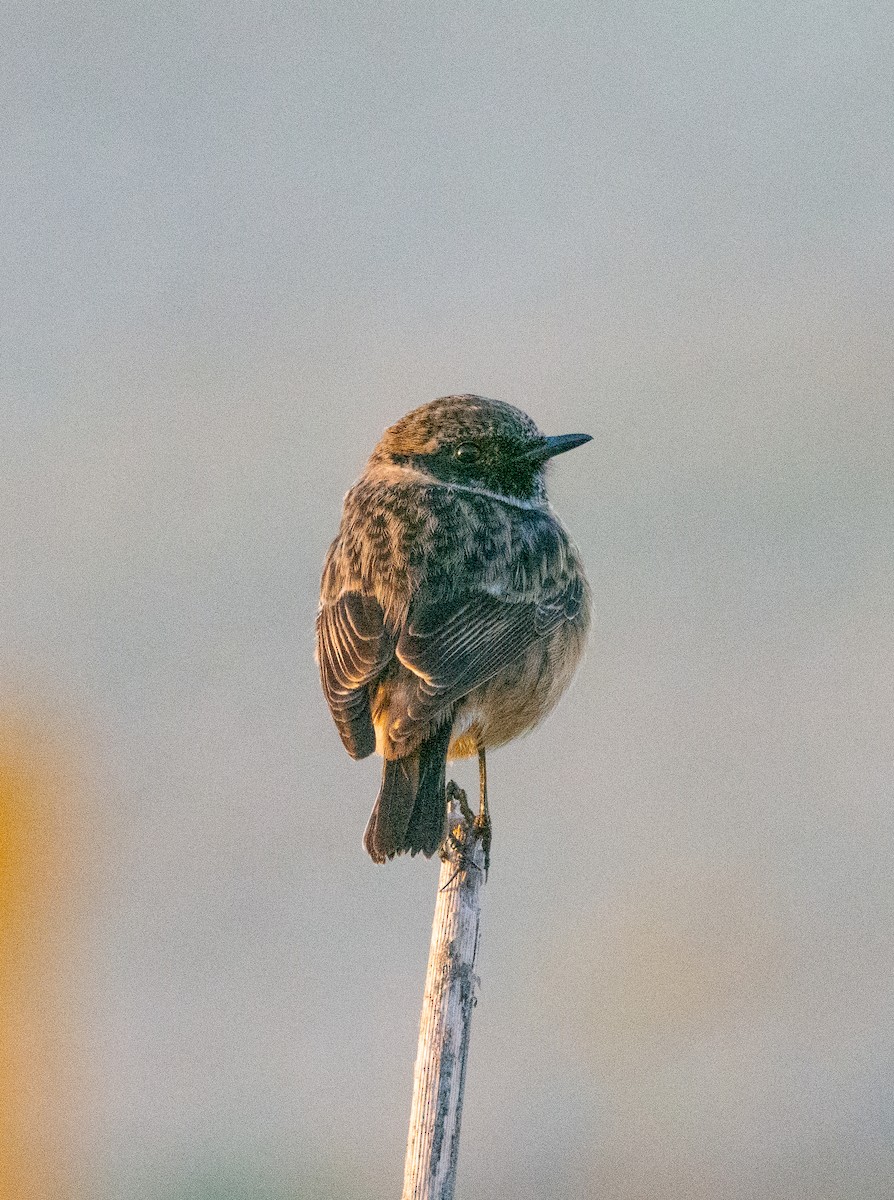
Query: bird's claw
x,y
455,792
454,850
455,845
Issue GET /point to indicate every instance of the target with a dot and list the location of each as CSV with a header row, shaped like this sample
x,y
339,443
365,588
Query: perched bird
x,y
453,607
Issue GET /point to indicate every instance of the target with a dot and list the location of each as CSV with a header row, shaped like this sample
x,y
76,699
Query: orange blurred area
x,y
38,902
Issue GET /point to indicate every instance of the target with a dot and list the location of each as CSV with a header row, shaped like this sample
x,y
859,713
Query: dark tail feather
x,y
426,829
386,829
411,809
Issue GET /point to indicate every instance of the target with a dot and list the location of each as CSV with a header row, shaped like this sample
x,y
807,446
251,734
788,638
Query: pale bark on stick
x,y
450,996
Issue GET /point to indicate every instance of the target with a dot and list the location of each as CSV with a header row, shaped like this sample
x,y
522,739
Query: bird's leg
x,y
482,821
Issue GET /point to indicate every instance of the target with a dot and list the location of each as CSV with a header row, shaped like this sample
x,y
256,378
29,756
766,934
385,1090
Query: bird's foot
x,y
454,851
456,793
456,845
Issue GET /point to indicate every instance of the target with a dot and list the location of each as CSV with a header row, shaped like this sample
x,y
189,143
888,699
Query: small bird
x,y
453,607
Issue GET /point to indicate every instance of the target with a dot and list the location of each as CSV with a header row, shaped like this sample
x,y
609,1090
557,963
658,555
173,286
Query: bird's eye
x,y
468,452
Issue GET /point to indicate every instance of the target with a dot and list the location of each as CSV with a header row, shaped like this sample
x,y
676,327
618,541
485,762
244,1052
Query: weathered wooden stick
x,y
450,985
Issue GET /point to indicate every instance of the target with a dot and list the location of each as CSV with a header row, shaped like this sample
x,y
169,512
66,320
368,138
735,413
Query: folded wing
x,y
353,648
455,647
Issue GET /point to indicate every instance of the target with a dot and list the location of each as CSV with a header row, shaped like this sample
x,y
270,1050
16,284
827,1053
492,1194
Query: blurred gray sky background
x,y
240,238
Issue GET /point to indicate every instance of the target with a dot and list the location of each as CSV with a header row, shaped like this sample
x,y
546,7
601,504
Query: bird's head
x,y
475,442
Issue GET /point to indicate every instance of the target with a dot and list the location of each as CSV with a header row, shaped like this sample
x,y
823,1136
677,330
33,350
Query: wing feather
x,y
354,646
455,648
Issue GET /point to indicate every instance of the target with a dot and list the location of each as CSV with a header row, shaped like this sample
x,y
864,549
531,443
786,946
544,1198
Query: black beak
x,y
552,446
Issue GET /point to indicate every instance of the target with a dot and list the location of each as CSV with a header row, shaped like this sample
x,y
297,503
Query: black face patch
x,y
495,463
